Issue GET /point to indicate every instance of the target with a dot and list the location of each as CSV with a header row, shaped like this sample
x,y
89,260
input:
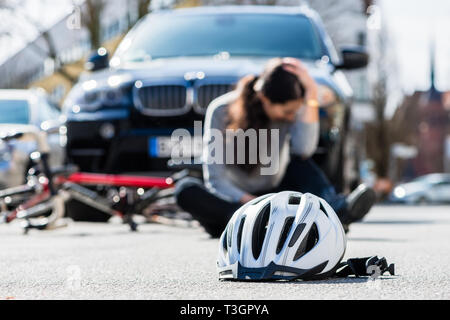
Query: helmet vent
x,y
230,234
298,231
284,233
294,200
323,208
259,230
239,235
261,199
224,242
308,242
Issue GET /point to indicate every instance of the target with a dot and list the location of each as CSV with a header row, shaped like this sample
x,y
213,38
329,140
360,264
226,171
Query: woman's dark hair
x,y
276,84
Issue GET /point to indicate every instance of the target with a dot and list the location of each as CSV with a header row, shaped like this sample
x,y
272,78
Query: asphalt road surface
x,y
106,261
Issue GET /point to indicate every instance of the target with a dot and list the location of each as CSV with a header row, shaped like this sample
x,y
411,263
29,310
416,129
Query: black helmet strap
x,y
361,267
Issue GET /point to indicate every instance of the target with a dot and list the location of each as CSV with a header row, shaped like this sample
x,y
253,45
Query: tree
x,y
91,19
336,16
378,138
143,7
382,74
14,7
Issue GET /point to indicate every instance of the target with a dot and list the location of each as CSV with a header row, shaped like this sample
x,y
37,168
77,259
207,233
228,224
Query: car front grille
x,y
173,100
208,92
162,99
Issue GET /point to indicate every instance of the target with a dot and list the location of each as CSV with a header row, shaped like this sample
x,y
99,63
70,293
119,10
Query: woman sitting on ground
x,y
283,97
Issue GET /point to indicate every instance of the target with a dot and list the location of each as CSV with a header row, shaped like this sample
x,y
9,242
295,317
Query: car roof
x,y
240,9
20,94
434,178
15,94
437,176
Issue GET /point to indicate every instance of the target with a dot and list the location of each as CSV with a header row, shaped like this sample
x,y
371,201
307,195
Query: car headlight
x,y
399,192
91,95
94,99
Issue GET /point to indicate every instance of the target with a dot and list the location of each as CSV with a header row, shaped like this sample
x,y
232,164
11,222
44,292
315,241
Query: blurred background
x,y
400,119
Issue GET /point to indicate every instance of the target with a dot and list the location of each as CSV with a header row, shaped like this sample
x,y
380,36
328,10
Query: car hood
x,y
230,69
13,128
179,66
413,187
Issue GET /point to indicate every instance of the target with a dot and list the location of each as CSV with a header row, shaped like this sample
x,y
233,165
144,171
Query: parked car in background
x,y
174,63
20,109
432,188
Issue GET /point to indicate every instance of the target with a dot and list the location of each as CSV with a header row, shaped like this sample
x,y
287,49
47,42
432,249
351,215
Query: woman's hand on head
x,y
296,67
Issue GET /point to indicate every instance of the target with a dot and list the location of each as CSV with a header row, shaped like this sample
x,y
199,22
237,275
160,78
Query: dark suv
x,y
173,63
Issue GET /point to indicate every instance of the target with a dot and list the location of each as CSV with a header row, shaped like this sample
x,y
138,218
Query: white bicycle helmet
x,y
283,236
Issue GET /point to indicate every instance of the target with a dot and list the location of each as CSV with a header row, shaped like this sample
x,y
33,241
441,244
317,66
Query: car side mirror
x,y
97,60
354,57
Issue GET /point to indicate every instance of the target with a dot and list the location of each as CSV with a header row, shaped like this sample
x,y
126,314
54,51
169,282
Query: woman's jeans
x,y
213,211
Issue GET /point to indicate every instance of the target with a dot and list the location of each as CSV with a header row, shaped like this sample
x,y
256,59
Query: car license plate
x,y
165,147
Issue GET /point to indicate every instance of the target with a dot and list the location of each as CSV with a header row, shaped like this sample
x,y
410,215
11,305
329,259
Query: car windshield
x,y
14,111
238,35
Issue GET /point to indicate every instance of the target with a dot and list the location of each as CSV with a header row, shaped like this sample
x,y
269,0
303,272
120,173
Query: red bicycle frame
x,y
96,179
114,180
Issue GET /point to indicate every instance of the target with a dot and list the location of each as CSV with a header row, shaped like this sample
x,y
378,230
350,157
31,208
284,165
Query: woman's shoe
x,y
346,228
359,203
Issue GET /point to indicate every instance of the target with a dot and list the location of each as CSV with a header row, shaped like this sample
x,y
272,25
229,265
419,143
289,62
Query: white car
x,y
20,109
431,188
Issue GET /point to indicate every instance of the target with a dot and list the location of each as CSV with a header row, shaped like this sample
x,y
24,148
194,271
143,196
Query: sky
x,y
413,25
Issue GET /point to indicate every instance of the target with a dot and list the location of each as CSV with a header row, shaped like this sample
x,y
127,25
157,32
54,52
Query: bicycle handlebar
x,y
11,136
34,133
43,147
